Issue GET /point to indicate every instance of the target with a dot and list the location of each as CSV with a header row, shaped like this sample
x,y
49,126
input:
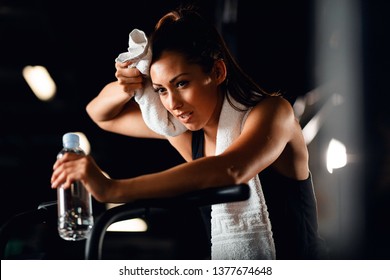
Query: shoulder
x,y
275,102
273,108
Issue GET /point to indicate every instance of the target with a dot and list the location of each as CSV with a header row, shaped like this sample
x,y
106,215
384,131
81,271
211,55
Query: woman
x,y
196,77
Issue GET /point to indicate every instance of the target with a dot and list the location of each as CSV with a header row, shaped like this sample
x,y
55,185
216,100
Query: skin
x,y
271,135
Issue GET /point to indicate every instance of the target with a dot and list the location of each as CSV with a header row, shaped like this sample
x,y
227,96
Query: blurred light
x,y
40,82
84,143
311,129
336,156
299,106
132,225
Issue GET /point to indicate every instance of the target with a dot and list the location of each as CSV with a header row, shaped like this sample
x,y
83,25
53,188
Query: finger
x,y
128,72
65,158
130,79
62,181
131,83
122,65
62,167
57,179
58,176
65,176
134,72
56,164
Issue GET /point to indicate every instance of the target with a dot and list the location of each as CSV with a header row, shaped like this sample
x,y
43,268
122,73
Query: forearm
x,y
195,175
109,103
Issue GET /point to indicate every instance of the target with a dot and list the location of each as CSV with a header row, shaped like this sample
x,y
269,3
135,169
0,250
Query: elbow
x,y
227,171
237,175
95,118
90,113
88,110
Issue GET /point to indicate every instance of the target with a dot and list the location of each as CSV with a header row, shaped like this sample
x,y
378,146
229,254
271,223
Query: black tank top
x,y
292,209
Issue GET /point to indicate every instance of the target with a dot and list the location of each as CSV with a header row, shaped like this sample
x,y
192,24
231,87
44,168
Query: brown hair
x,y
185,31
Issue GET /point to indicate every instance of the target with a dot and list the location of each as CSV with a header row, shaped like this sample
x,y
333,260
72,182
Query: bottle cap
x,y
70,140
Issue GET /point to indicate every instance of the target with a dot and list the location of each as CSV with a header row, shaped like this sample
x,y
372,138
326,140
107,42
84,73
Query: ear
x,y
220,71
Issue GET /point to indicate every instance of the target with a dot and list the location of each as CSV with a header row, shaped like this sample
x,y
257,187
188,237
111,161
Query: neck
x,y
210,130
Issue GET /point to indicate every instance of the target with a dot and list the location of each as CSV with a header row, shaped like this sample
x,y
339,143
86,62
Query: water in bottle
x,y
75,218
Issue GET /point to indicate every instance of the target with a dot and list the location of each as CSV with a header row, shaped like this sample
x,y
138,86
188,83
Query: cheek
x,y
163,101
206,104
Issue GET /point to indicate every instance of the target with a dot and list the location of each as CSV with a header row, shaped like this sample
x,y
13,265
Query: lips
x,y
185,117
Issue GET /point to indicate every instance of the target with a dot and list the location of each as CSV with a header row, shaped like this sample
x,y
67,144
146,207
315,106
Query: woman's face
x,y
186,91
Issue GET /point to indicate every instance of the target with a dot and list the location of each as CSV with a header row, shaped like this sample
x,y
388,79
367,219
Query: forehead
x,y
170,64
168,59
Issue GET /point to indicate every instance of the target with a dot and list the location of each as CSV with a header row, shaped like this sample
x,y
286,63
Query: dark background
x,y
78,41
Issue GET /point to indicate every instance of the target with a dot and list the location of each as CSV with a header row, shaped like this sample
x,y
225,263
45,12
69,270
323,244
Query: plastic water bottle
x,y
75,218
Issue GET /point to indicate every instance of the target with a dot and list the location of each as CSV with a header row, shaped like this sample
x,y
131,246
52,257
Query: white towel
x,y
239,230
154,113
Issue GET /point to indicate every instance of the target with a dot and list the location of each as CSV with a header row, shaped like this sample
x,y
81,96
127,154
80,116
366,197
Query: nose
x,y
173,101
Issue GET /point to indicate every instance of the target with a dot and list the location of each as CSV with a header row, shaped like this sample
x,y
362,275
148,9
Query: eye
x,y
160,90
181,84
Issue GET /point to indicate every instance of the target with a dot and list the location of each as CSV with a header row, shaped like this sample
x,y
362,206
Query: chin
x,y
193,127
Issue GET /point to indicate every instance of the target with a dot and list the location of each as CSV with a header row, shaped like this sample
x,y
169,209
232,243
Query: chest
x,y
202,146
209,148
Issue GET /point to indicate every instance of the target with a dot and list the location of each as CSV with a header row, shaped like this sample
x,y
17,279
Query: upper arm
x,y
130,122
267,130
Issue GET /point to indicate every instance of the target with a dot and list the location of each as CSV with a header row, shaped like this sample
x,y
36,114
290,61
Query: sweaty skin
x,y
271,135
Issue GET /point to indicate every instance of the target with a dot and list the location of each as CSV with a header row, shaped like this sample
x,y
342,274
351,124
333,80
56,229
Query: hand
x,y
72,167
130,78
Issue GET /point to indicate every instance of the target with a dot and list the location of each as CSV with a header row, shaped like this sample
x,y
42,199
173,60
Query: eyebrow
x,y
174,78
